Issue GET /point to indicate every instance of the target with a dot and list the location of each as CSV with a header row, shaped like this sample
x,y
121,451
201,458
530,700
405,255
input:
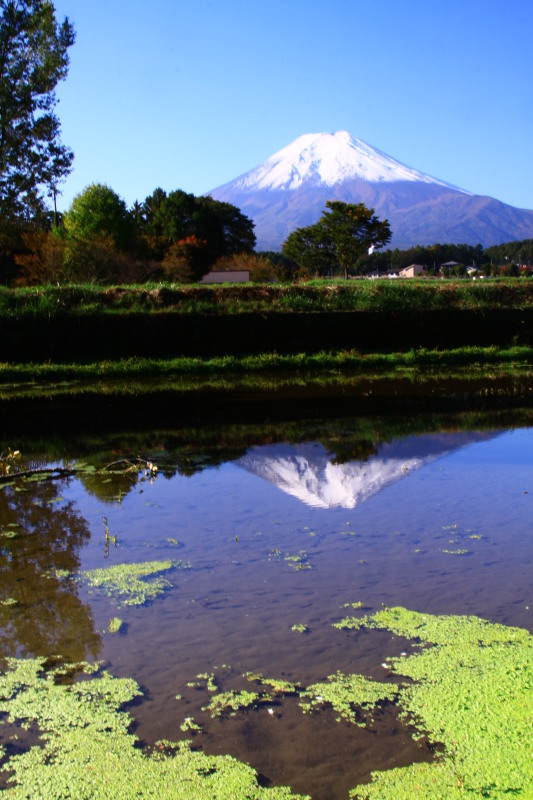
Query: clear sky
x,y
189,94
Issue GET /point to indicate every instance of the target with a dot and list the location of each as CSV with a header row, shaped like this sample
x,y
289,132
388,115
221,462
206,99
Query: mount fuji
x,y
289,190
307,472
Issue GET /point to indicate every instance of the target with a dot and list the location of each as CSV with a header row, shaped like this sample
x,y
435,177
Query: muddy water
x,y
279,535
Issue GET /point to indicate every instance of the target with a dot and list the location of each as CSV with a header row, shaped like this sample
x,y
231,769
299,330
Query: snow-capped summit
x,y
306,471
290,190
328,159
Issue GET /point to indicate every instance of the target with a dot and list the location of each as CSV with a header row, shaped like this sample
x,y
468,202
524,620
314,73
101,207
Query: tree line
x,y
175,236
179,237
511,259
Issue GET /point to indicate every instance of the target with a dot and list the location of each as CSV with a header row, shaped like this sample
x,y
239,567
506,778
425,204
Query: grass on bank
x,y
315,296
266,362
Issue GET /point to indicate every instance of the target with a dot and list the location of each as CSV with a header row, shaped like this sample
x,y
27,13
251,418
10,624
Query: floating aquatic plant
x,y
351,623
231,702
189,724
299,627
278,686
471,689
209,678
297,560
127,582
115,625
347,694
87,752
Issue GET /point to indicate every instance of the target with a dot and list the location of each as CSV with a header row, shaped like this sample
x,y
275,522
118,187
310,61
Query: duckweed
x,y
278,685
127,582
189,724
468,687
115,625
299,627
347,694
297,560
88,753
351,623
231,702
209,678
471,691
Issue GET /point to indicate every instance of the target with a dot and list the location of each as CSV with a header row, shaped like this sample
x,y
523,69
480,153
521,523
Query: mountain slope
x,y
290,189
307,471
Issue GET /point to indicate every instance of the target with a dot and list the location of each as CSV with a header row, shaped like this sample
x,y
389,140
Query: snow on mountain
x,y
290,190
306,471
319,483
329,159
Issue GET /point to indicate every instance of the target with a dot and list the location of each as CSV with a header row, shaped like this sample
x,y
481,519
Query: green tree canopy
x,y
237,229
520,252
353,229
99,210
312,249
199,230
33,59
343,234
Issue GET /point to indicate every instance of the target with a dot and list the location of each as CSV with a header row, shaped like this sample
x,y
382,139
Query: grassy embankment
x,y
189,333
313,296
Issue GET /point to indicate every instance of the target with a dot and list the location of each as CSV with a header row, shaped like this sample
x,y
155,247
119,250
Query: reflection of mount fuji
x,y
306,471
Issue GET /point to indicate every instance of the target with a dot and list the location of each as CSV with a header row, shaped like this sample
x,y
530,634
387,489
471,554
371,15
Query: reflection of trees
x,y
40,611
111,482
346,450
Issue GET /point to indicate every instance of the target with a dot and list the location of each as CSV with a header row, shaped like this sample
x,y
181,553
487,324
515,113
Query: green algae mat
x,y
466,684
470,689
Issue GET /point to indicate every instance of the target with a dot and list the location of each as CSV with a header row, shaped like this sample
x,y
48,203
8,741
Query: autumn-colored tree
x,y
42,259
96,259
184,261
167,220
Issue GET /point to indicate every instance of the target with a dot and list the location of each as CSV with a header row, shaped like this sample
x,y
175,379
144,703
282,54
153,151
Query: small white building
x,y
412,271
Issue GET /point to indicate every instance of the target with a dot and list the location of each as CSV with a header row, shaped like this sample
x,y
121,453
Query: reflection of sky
x,y
305,471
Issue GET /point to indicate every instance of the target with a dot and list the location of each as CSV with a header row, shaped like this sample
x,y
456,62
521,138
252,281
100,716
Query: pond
x,y
256,539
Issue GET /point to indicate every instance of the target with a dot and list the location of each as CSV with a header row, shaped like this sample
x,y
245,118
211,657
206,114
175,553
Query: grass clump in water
x,y
470,689
87,752
127,582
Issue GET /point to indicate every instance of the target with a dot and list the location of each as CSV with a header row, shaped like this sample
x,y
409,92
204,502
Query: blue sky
x,y
189,94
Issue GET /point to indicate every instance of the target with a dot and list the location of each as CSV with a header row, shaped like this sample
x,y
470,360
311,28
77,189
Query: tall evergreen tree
x,y
33,59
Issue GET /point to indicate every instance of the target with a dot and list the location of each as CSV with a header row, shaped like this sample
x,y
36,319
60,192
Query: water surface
x,y
269,533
